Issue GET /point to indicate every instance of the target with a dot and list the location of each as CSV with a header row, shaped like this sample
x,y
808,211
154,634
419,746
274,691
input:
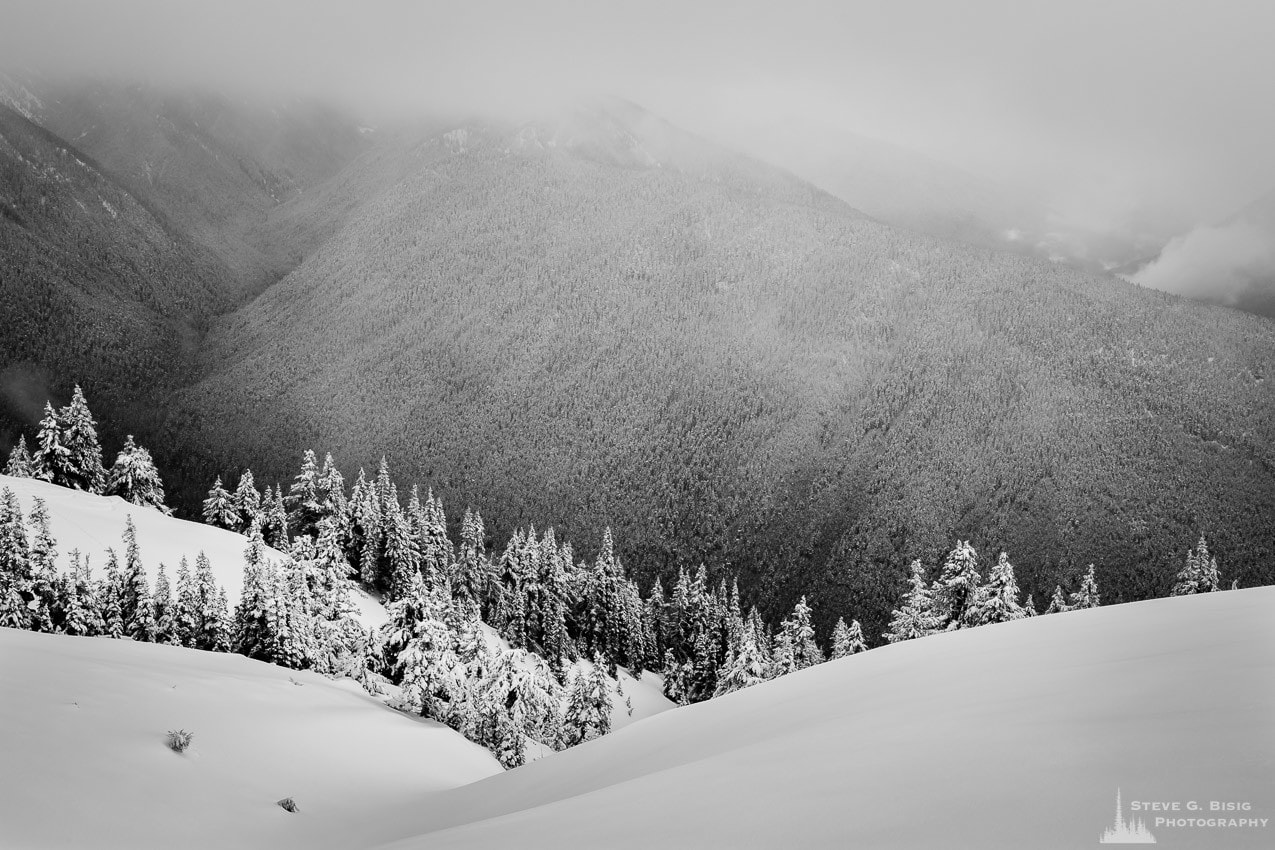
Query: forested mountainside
x,y
129,216
93,281
214,166
602,321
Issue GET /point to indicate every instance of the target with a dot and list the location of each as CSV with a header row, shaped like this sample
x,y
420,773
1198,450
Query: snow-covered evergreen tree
x,y
219,508
51,460
847,640
19,464
997,601
185,606
304,501
255,615
42,566
1057,602
83,611
1087,596
743,668
588,712
111,594
955,592
166,630
274,519
16,594
136,604
247,502
84,453
915,618
134,478
1199,574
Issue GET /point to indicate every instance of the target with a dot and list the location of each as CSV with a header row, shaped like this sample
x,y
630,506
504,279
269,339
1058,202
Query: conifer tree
x,y
185,607
254,622
134,478
588,712
15,566
915,618
111,594
303,502
19,464
247,502
212,627
136,605
997,601
744,668
1087,596
52,459
1057,602
1199,574
800,631
42,568
331,489
84,453
274,519
219,508
83,612
1029,607
956,589
402,549
166,630
847,640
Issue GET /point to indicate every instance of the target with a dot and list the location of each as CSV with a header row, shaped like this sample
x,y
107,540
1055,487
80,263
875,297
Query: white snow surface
x,y
92,524
1009,736
84,763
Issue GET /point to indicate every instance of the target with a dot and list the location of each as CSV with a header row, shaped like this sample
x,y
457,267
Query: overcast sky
x,y
1098,107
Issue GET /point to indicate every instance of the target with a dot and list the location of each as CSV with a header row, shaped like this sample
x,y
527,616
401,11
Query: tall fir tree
x,y
1087,596
41,559
997,600
247,501
16,594
1199,574
744,667
303,502
166,629
111,594
134,478
847,640
219,508
957,587
915,617
19,464
84,452
51,460
136,604
1057,602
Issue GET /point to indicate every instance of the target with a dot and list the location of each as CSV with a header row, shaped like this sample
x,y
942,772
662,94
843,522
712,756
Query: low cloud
x,y
1216,262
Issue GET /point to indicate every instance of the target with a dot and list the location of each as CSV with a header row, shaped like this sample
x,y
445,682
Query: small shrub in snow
x,y
178,740
288,804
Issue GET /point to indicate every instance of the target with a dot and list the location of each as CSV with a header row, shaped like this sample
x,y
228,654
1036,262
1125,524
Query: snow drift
x,y
1016,735
82,727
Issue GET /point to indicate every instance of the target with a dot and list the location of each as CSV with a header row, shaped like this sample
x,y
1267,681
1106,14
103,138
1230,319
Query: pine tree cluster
x,y
67,453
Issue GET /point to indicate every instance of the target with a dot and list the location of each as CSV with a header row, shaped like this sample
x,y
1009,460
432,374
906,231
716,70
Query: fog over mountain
x,y
1142,119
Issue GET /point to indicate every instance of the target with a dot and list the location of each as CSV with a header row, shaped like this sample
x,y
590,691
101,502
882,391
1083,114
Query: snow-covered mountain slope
x,y
82,728
92,524
1016,735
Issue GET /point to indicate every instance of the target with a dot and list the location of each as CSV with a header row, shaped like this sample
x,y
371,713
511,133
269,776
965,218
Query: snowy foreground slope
x,y
92,524
1016,735
83,762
